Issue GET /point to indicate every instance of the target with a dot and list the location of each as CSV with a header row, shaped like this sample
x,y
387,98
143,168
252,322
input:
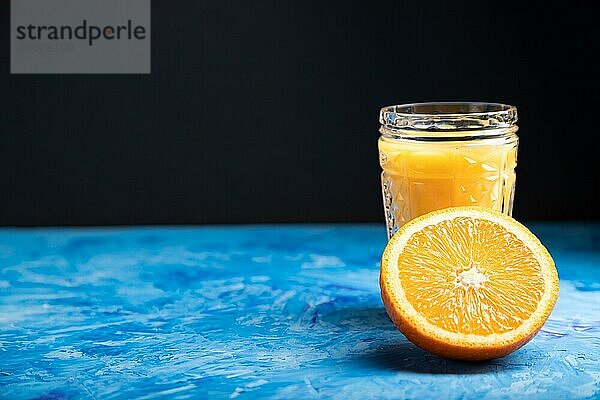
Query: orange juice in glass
x,y
438,155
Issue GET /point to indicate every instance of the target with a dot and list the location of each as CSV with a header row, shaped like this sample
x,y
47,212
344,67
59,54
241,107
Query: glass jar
x,y
438,155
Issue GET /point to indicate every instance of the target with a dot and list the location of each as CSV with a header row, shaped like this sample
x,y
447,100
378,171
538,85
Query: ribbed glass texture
x,y
438,155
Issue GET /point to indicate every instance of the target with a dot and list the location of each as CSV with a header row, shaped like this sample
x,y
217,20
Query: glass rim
x,y
447,116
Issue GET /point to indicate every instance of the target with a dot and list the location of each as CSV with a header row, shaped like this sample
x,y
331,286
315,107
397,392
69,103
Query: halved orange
x,y
467,283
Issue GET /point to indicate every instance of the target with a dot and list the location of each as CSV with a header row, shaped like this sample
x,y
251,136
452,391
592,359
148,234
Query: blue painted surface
x,y
247,312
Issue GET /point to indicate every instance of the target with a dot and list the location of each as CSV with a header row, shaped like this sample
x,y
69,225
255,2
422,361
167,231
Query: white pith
x,y
471,277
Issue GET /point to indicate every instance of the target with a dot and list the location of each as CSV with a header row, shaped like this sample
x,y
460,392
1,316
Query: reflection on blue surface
x,y
271,311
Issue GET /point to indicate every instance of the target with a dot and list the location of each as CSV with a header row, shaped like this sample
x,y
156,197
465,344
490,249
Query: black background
x,y
266,111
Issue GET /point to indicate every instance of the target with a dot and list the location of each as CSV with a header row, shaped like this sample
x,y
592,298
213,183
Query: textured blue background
x,y
269,311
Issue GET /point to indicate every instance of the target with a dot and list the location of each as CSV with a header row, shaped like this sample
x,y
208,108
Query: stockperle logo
x,y
80,36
